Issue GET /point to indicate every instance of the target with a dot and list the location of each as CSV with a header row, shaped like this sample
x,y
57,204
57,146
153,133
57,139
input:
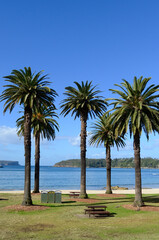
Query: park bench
x,y
99,213
74,194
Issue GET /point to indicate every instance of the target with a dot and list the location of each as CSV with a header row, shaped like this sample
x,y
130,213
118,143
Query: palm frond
x,y
137,107
83,99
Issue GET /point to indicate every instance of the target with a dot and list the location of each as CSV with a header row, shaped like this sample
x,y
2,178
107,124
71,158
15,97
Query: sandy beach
x,y
131,191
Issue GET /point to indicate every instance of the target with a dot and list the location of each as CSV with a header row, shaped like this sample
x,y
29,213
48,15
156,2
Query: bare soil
x,y
144,208
26,208
91,200
36,227
87,200
112,195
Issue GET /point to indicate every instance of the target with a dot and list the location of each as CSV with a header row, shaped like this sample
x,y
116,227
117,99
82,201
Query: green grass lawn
x,y
67,221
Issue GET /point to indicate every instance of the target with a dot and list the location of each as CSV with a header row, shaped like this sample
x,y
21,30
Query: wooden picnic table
x,y
93,207
97,210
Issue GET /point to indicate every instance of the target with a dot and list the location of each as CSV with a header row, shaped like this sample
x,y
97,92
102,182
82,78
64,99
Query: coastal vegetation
x,y
115,163
83,102
9,163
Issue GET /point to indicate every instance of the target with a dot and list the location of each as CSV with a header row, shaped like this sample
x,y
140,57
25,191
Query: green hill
x,y
116,163
9,163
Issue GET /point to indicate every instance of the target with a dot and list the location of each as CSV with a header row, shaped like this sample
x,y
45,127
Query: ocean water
x,y
12,178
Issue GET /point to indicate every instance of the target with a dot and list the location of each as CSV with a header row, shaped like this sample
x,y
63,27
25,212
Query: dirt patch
x,y
144,208
82,215
87,200
35,194
37,227
26,208
112,195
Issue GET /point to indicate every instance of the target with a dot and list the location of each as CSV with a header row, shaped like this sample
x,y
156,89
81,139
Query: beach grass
x,y
67,220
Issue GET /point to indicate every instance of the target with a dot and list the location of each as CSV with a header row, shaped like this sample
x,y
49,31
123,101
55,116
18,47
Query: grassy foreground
x,y
66,221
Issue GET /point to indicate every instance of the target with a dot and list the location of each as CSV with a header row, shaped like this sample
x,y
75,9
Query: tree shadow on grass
x,y
65,204
3,199
105,201
99,201
112,214
151,199
81,204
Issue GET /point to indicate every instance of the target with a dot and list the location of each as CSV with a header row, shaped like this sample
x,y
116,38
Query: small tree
x,y
103,133
43,124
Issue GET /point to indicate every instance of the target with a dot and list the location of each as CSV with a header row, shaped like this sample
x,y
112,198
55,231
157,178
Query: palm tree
x,y
83,102
29,90
44,125
103,132
137,110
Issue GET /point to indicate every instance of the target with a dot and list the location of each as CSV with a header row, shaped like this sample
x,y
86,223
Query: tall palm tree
x,y
103,133
29,90
84,102
43,124
136,109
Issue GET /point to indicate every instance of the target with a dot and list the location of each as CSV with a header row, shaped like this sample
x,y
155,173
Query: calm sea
x,y
12,178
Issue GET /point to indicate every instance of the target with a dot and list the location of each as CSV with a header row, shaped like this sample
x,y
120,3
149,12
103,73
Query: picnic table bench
x,y
74,194
97,210
99,213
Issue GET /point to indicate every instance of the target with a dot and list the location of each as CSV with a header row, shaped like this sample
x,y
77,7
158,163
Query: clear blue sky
x,y
75,40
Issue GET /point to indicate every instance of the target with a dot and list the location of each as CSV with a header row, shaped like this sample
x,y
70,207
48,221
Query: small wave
x,y
155,174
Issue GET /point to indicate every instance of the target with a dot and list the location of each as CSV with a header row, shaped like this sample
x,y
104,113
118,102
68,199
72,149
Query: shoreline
x,y
129,191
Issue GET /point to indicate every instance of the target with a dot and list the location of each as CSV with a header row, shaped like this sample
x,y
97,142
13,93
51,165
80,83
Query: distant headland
x,y
9,163
116,163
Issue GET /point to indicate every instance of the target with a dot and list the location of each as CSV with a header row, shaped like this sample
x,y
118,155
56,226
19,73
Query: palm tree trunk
x,y
83,193
27,145
37,161
108,164
138,189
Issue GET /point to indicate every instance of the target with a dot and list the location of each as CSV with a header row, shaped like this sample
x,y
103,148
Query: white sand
x,y
144,191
